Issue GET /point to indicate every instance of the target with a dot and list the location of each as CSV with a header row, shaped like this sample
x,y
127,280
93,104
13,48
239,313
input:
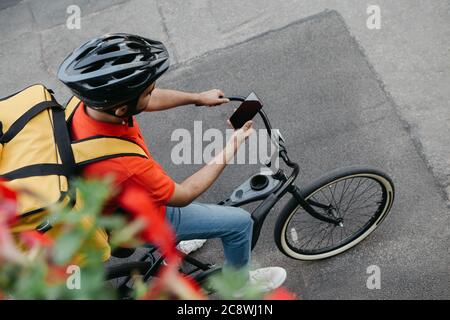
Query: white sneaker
x,y
189,246
268,279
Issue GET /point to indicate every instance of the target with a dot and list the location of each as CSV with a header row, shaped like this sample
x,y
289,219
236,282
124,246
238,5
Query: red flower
x,y
56,275
8,216
280,294
136,201
34,238
8,204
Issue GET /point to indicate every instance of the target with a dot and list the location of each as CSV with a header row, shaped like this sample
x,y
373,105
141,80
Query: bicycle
x,y
324,209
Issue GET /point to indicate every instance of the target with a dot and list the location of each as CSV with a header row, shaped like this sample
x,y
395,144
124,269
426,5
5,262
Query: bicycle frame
x,y
287,185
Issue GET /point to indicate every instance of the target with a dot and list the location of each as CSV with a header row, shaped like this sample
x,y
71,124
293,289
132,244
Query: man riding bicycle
x,y
114,76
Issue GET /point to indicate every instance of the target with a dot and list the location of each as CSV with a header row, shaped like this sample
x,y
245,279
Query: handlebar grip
x,y
231,98
236,98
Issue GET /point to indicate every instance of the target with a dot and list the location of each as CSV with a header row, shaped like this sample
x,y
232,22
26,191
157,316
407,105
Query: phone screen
x,y
246,111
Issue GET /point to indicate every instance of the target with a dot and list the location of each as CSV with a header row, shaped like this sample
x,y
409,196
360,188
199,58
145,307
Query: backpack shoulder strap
x,y
22,107
98,148
70,108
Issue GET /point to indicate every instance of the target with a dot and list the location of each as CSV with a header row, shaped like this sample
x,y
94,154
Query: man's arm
x,y
163,99
199,182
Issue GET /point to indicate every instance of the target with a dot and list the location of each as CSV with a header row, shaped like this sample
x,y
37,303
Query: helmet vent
x,y
147,58
135,46
92,68
113,37
84,53
139,80
96,83
123,74
123,60
108,49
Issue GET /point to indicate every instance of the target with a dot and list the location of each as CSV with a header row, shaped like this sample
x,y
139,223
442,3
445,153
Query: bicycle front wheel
x,y
360,196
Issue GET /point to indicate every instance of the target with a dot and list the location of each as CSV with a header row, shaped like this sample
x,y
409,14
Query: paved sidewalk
x,y
410,53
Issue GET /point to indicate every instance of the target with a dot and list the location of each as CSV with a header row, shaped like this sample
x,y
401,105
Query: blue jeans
x,y
233,226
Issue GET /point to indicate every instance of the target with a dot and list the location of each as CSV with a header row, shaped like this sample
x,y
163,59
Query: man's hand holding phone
x,y
241,121
237,139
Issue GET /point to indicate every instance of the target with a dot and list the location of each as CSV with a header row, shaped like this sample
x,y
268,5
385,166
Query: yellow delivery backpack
x,y
37,154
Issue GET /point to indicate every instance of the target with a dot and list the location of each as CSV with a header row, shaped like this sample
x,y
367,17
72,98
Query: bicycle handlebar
x,y
235,98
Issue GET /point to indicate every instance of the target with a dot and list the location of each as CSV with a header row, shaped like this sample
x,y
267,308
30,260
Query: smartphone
x,y
246,111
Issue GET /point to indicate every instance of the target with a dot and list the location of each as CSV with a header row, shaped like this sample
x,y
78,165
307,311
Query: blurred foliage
x,y
34,266
44,273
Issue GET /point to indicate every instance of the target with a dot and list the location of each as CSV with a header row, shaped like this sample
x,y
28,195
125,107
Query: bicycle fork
x,y
308,205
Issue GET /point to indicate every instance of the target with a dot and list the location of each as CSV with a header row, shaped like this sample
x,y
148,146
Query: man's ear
x,y
121,111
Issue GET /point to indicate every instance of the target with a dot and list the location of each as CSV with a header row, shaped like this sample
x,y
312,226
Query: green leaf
x,y
126,234
67,245
111,222
139,288
232,281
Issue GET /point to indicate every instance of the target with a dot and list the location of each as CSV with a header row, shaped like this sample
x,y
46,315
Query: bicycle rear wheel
x,y
361,196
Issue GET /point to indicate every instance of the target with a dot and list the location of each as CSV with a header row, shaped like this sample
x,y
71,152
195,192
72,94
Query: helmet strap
x,y
128,116
132,110
130,121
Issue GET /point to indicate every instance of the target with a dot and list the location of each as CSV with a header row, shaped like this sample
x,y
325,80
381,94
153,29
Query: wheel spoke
x,y
328,200
334,200
368,206
349,188
351,200
358,198
366,199
342,194
354,191
359,209
305,236
312,237
355,199
323,237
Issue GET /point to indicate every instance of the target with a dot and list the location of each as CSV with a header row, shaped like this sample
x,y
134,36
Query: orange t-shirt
x,y
127,170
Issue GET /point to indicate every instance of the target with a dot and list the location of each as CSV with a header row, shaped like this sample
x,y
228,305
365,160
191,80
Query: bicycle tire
x,y
284,238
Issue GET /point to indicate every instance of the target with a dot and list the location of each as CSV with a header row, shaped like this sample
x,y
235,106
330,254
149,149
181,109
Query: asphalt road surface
x,y
319,89
8,3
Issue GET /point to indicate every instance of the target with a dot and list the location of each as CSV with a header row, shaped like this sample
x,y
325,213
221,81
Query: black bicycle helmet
x,y
113,70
